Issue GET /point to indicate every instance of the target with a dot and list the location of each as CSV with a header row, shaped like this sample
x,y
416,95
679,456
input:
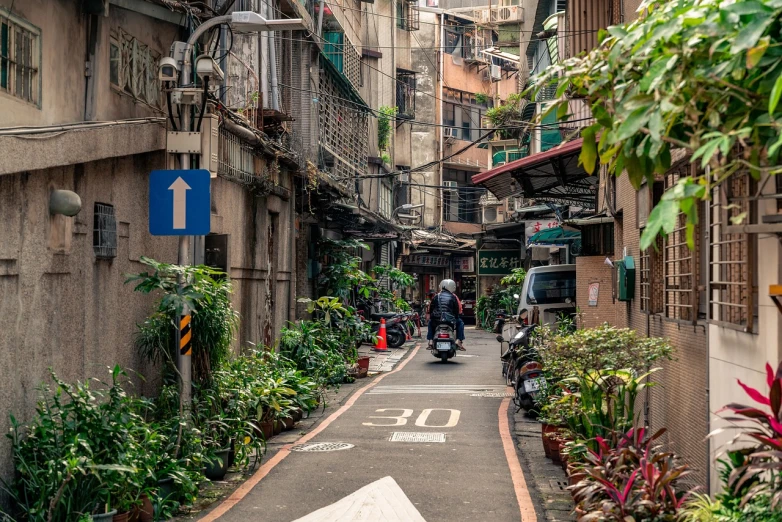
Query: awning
x,y
553,175
554,236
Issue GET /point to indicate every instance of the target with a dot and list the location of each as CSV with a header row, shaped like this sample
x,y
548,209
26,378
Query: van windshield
x,y
552,287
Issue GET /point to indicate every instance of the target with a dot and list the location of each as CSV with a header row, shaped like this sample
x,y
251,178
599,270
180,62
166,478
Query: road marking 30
x,y
401,420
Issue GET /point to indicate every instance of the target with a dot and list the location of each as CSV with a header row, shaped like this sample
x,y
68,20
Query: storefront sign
x,y
532,227
464,264
498,262
426,260
594,290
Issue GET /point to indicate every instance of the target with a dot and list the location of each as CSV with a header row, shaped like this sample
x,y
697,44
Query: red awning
x,y
553,175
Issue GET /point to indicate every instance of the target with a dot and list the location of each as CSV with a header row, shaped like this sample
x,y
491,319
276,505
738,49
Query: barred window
x,y
733,291
407,15
680,264
104,232
650,268
405,94
133,68
20,57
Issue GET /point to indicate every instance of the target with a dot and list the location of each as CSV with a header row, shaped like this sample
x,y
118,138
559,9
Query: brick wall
x,y
592,269
678,402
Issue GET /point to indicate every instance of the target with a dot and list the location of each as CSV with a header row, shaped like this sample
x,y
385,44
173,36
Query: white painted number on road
x,y
398,421
453,418
401,420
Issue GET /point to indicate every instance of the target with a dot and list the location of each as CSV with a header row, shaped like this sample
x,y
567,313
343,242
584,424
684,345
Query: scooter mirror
x,y
500,339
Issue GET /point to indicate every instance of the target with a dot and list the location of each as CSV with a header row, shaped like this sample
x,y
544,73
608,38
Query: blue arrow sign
x,y
179,203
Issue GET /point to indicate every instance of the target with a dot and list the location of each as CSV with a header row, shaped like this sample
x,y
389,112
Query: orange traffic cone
x,y
382,345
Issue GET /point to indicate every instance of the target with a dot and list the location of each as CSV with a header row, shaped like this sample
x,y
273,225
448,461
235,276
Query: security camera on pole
x,y
179,203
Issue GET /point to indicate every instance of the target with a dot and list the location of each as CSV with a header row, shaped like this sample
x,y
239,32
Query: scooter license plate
x,y
534,385
443,347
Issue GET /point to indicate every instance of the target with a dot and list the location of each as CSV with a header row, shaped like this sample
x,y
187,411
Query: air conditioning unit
x,y
451,132
490,214
450,186
496,73
510,14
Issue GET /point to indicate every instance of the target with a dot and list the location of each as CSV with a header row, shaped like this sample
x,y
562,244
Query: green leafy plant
x,y
705,77
631,478
481,98
207,294
385,116
508,114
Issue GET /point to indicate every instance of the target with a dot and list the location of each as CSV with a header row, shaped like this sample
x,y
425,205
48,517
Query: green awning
x,y
554,236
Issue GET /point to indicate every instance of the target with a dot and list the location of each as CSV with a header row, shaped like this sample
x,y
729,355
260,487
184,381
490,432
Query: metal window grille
x,y
104,232
133,68
343,132
408,15
680,272
236,158
650,278
405,94
20,55
733,294
344,56
384,201
598,240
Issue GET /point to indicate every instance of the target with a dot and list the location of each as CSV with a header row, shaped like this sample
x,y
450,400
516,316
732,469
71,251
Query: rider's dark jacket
x,y
444,307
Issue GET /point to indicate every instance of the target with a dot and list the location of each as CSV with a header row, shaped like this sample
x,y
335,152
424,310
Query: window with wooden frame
x,y
732,291
20,58
650,266
405,94
680,264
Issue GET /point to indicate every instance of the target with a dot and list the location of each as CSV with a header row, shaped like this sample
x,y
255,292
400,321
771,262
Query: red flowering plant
x,y
760,473
631,478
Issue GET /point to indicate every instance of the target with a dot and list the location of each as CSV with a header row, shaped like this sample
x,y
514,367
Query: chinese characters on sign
x,y
594,289
426,260
464,264
532,227
498,262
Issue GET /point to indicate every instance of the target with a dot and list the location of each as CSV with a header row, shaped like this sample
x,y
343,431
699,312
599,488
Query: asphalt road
x,y
464,477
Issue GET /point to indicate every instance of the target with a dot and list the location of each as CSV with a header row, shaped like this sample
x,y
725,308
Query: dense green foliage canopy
x,y
701,75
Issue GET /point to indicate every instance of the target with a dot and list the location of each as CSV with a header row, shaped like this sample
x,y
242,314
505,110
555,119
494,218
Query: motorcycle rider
x,y
446,307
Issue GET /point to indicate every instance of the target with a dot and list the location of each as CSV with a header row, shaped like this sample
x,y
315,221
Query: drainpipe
x,y
440,77
321,7
292,254
273,67
265,58
707,228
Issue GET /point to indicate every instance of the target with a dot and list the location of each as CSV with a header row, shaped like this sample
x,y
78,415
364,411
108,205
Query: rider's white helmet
x,y
448,284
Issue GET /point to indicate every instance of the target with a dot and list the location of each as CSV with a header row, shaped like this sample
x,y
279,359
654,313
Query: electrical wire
x,y
375,113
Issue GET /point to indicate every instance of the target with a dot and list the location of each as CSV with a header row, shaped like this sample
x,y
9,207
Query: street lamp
x,y
242,20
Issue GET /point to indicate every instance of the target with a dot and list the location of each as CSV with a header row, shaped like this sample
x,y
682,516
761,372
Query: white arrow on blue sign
x,y
179,203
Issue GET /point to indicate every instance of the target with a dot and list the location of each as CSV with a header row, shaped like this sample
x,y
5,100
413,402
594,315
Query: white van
x,y
548,291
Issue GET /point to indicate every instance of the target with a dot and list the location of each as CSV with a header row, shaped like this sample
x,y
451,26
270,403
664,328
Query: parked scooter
x,y
522,369
444,345
500,316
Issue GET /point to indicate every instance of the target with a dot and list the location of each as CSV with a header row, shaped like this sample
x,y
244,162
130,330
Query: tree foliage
x,y
701,75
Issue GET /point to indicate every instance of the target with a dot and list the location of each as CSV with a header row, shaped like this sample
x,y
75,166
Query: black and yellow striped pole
x,y
184,334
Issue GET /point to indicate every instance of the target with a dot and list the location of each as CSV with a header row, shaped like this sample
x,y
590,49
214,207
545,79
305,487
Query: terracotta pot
x,y
265,430
363,363
287,423
553,447
297,415
556,449
121,517
277,427
575,478
143,513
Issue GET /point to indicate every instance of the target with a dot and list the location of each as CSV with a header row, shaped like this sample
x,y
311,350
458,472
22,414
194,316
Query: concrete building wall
x,y
734,354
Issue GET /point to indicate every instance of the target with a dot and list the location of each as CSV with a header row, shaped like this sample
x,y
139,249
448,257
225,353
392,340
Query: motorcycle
x,y
522,369
395,327
500,317
444,345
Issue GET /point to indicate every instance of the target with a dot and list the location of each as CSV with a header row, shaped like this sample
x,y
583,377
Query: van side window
x,y
552,287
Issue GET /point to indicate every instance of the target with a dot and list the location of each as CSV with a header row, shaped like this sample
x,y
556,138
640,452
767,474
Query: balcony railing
x,y
502,157
344,56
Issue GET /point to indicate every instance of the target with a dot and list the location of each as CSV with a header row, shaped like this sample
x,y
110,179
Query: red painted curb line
x,y
526,508
264,470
